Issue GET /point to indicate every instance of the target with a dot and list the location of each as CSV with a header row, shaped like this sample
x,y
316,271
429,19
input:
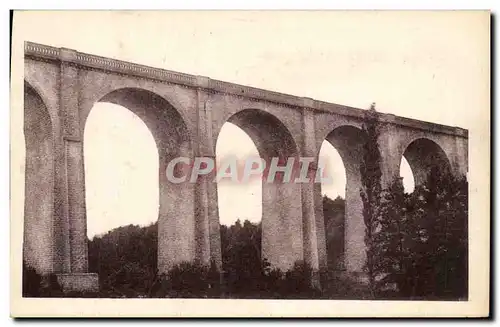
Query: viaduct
x,y
185,114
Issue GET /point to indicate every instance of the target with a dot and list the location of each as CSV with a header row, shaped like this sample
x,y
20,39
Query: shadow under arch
x,y
176,214
39,243
282,235
156,112
348,140
423,155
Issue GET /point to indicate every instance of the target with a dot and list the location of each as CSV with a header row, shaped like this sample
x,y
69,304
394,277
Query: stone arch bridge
x,y
185,114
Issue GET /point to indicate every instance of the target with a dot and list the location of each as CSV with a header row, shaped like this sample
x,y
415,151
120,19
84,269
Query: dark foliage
x,y
188,280
247,275
126,261
422,239
371,175
36,285
31,282
343,286
419,252
241,257
334,215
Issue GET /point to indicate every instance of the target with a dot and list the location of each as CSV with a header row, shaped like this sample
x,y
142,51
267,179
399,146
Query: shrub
x,y
37,285
31,281
188,279
343,286
298,279
126,260
422,240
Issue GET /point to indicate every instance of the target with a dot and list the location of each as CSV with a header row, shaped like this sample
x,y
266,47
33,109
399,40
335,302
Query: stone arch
x,y
269,133
48,96
325,123
423,154
176,221
100,92
288,120
282,233
38,248
348,140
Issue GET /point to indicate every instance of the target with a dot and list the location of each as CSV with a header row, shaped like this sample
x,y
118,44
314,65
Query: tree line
x,y
125,259
419,252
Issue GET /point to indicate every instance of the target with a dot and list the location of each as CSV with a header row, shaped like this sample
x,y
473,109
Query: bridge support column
x,y
390,151
314,230
207,229
214,225
207,214
355,229
282,224
176,216
312,208
73,190
459,160
39,251
349,143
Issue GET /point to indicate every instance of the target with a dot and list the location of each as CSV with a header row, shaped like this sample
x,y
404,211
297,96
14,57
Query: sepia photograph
x,y
250,163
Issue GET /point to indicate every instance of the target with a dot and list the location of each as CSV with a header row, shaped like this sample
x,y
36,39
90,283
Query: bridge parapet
x,y
255,93
84,60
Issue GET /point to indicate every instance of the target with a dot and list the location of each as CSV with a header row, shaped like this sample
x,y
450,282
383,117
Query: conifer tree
x,y
371,189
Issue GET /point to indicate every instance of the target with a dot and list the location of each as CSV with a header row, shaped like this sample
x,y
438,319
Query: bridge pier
x,y
78,278
39,249
208,227
73,181
55,239
282,238
79,282
177,220
355,248
312,205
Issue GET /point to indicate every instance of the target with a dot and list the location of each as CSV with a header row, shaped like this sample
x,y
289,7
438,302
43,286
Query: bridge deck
x,y
40,51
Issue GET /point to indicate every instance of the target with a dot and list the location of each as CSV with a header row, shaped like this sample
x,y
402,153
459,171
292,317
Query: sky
x,y
428,66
